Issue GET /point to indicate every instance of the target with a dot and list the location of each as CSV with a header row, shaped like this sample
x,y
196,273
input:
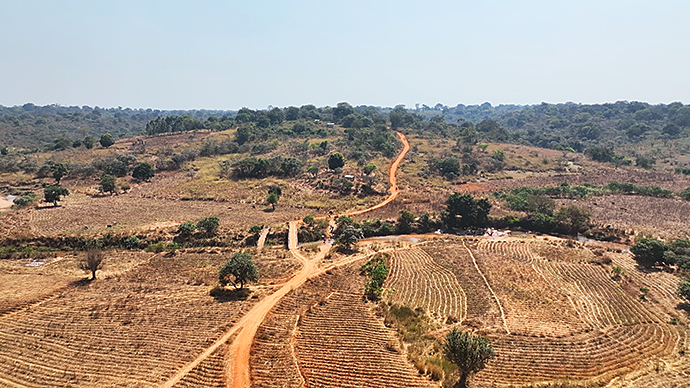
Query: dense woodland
x,y
620,133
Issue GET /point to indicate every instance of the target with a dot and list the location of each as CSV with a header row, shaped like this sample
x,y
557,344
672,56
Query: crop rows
x,y
340,343
482,309
210,373
600,301
599,354
418,281
533,303
113,334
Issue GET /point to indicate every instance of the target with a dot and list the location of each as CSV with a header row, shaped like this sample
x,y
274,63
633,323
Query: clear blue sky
x,y
230,54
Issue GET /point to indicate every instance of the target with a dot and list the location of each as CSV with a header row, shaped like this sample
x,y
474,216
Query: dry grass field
x,y
141,320
325,335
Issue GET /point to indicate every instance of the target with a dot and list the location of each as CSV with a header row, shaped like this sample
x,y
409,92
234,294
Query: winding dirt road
x,y
250,322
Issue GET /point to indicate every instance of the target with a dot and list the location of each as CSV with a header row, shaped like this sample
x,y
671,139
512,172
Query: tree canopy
x,y
54,194
468,352
242,269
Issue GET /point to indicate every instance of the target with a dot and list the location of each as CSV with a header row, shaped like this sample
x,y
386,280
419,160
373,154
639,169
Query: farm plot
x,y
340,343
136,213
135,329
481,310
596,355
534,304
416,280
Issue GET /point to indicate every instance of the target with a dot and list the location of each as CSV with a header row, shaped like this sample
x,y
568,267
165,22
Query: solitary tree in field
x,y
108,184
54,193
272,199
59,170
242,269
92,262
336,160
107,140
469,352
186,229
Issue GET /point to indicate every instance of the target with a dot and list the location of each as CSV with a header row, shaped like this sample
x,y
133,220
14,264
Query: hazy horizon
x,y
225,56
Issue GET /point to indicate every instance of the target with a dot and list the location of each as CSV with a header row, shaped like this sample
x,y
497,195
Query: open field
x,y
569,321
324,334
134,328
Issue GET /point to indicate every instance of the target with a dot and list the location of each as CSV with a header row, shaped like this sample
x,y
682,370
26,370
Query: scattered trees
x,y
468,352
92,262
54,194
241,267
108,184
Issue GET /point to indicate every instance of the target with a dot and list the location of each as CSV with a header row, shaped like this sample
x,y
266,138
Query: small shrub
x,y
156,248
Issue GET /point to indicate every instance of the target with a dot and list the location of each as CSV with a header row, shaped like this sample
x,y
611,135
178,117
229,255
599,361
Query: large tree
x,y
468,352
649,250
106,140
59,170
462,210
108,184
336,160
54,193
575,219
242,269
143,172
92,262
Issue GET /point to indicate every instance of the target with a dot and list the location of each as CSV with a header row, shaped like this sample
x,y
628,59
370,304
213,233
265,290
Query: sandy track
x,y
247,326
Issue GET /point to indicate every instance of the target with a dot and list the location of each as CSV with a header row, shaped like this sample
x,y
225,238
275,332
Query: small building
x,y
330,125
349,177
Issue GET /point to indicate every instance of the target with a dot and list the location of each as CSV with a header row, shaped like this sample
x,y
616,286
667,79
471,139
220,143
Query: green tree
x,y
684,290
4,151
108,184
54,193
369,168
143,172
349,237
649,250
462,210
275,190
241,267
272,199
106,140
405,221
308,219
186,229
59,170
209,225
336,160
88,142
574,219
468,352
685,194
92,262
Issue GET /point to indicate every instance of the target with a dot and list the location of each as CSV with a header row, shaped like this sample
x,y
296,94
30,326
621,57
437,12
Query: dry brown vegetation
x,y
130,328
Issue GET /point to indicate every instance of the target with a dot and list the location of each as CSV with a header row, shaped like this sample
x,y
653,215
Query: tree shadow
x,y
81,282
222,295
269,210
685,306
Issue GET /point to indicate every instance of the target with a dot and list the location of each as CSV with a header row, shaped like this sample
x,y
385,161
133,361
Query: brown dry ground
x,y
142,319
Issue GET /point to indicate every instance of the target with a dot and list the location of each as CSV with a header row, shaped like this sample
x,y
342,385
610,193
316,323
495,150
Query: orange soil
x,y
249,324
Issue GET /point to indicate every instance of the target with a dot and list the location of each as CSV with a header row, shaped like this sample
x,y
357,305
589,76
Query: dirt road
x,y
249,324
